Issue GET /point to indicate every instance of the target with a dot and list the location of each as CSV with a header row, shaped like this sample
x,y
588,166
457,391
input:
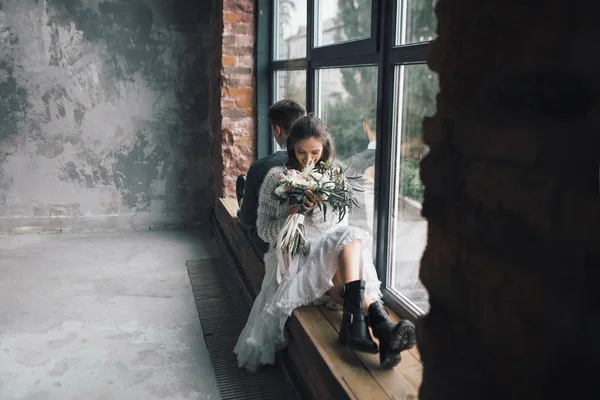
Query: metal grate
x,y
221,331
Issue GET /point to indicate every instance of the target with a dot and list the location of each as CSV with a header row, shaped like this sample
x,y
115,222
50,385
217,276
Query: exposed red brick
x,y
229,40
233,113
229,61
246,141
237,71
246,61
228,103
240,126
238,50
237,80
243,93
243,29
236,141
249,111
231,17
247,102
245,40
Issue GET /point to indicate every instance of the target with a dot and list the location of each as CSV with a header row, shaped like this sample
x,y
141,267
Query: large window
x,y
360,65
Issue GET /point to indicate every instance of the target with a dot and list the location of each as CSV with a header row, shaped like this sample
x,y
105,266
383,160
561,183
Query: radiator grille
x,y
221,330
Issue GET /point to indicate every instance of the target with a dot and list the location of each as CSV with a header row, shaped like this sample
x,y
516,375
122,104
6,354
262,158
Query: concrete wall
x,y
104,114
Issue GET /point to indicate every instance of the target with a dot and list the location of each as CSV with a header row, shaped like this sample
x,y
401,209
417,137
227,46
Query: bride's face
x,y
308,151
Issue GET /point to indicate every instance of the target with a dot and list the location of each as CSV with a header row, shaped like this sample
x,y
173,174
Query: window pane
x,y
415,91
347,102
289,84
290,29
416,21
342,21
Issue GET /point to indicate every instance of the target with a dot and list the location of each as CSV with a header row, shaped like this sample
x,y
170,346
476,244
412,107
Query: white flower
x,y
299,181
308,170
328,185
280,191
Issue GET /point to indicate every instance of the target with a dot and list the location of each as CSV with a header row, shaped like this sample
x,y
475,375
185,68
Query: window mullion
x,y
288,64
264,73
310,70
409,54
383,159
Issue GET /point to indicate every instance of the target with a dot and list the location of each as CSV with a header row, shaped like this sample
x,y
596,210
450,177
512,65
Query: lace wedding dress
x,y
264,332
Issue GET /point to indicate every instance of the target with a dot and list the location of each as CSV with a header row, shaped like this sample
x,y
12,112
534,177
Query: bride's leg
x,y
350,263
354,331
350,268
393,337
336,290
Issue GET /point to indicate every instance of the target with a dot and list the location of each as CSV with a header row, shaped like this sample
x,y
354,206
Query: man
x,y
360,162
282,116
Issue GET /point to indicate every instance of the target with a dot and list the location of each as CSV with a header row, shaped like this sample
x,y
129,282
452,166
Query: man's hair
x,y
369,115
285,112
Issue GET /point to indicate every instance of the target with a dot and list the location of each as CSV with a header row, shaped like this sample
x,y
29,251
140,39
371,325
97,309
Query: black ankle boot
x,y
393,338
354,331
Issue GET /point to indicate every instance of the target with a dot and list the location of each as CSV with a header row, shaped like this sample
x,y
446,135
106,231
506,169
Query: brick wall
x,y
235,141
512,201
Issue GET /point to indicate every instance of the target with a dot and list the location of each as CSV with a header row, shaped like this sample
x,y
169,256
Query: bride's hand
x,y
292,209
310,201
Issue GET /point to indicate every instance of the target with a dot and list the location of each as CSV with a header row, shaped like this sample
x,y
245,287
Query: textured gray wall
x,y
104,114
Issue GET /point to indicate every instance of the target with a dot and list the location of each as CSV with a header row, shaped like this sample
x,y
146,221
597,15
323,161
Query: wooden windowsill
x,y
327,368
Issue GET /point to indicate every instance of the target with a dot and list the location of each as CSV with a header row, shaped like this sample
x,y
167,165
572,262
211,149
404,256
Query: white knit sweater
x,y
272,214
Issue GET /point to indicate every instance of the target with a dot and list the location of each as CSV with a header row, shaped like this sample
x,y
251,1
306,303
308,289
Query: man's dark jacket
x,y
248,213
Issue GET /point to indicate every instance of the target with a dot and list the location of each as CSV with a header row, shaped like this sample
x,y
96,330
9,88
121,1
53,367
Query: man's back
x,y
248,212
357,164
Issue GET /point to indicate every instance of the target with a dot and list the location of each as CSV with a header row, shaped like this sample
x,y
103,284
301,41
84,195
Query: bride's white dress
x,y
264,332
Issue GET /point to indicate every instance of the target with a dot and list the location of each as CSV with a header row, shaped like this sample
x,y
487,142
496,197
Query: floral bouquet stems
x,y
289,243
324,186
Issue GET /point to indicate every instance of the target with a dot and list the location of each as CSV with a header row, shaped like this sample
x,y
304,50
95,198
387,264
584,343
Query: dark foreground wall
x,y
104,114
513,253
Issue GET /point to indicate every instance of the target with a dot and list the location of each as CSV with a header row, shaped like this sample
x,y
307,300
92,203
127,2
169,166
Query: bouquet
x,y
325,186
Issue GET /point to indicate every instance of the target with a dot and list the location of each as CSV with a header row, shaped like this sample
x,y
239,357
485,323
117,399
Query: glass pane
x,y
347,102
342,21
290,84
416,21
415,90
290,29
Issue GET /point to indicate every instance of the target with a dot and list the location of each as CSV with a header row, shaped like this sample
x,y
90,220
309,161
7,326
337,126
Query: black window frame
x,y
379,49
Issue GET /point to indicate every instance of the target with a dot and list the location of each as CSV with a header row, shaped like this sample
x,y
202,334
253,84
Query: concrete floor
x,y
102,316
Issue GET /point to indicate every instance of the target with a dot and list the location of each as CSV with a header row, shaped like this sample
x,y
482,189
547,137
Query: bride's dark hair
x,y
306,127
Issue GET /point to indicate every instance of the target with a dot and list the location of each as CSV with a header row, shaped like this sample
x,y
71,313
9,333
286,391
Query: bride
x,y
338,262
